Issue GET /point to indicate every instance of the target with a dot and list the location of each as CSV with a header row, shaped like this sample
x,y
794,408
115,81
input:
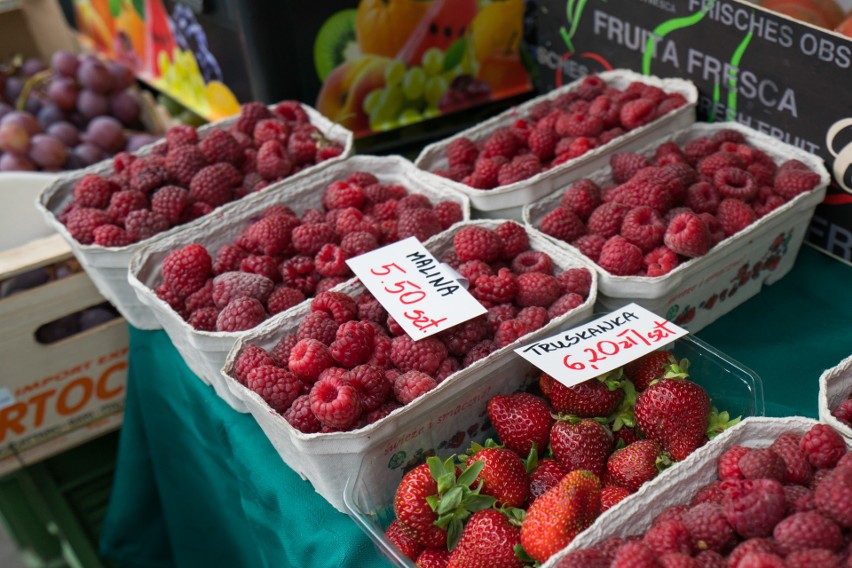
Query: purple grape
x,y
121,74
25,281
95,76
49,114
56,330
33,104
136,141
47,151
5,109
88,153
24,119
92,104
66,132
63,91
96,316
124,107
2,84
32,66
14,138
107,133
14,86
65,63
14,163
78,120
74,162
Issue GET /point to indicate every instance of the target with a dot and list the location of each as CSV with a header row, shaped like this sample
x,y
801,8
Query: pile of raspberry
x,y
188,176
280,259
785,506
557,131
675,205
350,364
843,411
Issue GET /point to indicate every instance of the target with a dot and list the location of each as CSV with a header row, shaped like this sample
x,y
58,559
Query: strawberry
x,y
489,539
581,444
555,518
503,475
521,420
635,464
648,368
675,412
543,476
599,396
419,499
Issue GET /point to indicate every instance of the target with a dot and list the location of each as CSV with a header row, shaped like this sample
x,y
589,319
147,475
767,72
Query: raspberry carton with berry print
x,y
211,283
531,150
366,392
108,211
835,392
691,225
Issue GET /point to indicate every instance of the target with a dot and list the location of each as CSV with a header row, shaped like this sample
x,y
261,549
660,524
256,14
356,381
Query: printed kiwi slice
x,y
334,39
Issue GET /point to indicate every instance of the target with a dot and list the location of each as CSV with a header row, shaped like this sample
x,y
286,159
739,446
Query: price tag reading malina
x,y
602,345
422,295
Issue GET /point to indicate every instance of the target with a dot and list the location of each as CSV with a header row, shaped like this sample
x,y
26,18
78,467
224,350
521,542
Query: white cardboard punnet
x,y
835,386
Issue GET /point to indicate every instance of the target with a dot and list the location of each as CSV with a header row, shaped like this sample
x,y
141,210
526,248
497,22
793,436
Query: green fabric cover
x,y
199,485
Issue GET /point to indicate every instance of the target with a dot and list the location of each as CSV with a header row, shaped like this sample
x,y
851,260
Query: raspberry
x,y
669,536
486,172
570,148
590,245
122,161
709,165
201,298
448,213
564,304
273,162
537,289
606,109
813,558
250,115
620,257
147,174
181,135
381,351
542,142
353,344
579,123
424,355
357,243
735,182
301,417
187,269
562,224
111,236
670,103
228,258
215,184
498,314
532,261
533,317
481,350
94,191
762,463
842,412
219,146
251,356
520,168
791,182
319,326
461,151
510,331
335,403
696,150
688,235
411,385
514,239
414,201
833,496
750,546
734,216
497,289
302,148
606,220
231,285
270,235
418,223
712,493
761,560
309,238
647,187
635,554
241,314
709,528
643,227
754,507
281,350
330,261
338,305
822,445
373,311
797,468
799,498
183,162
625,165
728,464
702,197
448,367
379,193
372,386
203,319
462,337
170,201
582,197
803,531
477,243
308,359
636,113
341,194
82,222
143,224
270,129
278,387
501,143
283,298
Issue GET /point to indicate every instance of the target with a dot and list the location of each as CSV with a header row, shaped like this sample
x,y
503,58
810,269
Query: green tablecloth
x,y
198,484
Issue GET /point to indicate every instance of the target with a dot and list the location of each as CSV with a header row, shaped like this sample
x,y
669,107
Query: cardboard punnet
x,y
443,418
835,386
697,292
506,201
107,266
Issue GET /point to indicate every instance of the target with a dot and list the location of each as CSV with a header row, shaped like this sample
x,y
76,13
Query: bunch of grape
x,y
66,116
190,36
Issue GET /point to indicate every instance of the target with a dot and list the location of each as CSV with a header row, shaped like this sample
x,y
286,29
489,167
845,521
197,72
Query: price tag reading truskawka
x,y
421,294
602,345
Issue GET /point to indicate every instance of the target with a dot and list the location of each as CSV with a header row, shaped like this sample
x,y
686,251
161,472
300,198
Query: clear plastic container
x,y
732,386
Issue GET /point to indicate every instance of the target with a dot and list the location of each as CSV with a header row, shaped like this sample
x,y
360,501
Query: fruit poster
x,y
778,75
389,63
167,45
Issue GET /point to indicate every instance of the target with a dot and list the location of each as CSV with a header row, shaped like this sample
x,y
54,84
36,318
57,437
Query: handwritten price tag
x,y
602,345
423,295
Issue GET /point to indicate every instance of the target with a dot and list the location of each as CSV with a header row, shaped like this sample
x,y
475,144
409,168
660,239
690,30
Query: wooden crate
x,y
55,396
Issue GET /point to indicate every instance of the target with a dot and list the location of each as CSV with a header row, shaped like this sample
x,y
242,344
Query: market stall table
x,y
198,484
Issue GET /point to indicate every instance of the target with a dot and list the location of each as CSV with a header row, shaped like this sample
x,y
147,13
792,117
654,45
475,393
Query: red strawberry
x,y
649,367
544,475
581,444
635,464
503,475
596,397
556,517
521,420
489,539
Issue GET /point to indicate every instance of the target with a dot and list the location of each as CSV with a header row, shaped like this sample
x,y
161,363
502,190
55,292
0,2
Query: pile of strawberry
x,y
785,506
557,131
189,176
602,443
280,259
676,205
350,364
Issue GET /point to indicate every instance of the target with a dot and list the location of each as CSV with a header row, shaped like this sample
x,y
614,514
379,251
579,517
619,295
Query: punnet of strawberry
x,y
281,258
190,174
564,455
556,131
788,505
349,364
661,210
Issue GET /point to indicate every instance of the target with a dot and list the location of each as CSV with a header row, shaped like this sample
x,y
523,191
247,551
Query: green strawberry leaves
x,y
719,422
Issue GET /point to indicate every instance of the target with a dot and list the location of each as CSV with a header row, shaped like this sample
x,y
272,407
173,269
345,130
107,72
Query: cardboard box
x,y
783,77
835,386
58,395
